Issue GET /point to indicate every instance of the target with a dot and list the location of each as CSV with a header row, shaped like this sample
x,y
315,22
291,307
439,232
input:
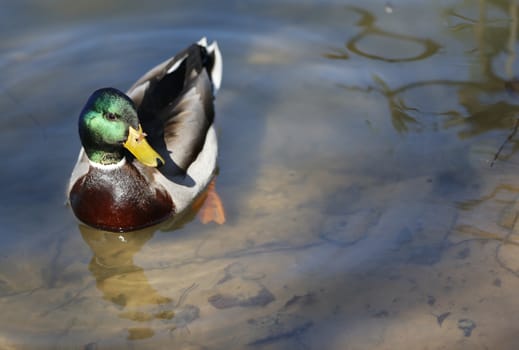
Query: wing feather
x,y
174,101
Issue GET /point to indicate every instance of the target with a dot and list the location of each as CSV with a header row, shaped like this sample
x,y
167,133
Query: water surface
x,y
356,143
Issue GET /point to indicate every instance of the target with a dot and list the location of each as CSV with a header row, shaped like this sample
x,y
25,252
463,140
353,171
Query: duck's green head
x,y
108,124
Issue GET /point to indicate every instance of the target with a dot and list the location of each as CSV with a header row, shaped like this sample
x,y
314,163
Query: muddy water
x,y
356,167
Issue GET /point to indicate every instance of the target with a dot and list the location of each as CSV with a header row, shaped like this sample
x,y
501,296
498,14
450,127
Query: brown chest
x,y
119,200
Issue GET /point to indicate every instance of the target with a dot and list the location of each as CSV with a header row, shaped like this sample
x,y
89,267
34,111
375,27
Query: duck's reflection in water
x,y
122,282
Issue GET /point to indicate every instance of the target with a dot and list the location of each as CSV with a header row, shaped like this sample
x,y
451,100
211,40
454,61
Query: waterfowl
x,y
147,154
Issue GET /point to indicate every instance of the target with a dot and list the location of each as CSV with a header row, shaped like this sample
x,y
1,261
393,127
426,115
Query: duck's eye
x,y
111,116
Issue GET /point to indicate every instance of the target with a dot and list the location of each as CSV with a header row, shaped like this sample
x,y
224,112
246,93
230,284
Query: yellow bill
x,y
141,149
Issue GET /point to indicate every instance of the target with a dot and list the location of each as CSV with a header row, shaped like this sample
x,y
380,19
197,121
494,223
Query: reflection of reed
x,y
505,233
512,39
481,117
492,38
367,22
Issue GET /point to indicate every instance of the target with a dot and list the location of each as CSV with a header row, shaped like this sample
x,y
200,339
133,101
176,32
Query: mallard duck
x,y
149,153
